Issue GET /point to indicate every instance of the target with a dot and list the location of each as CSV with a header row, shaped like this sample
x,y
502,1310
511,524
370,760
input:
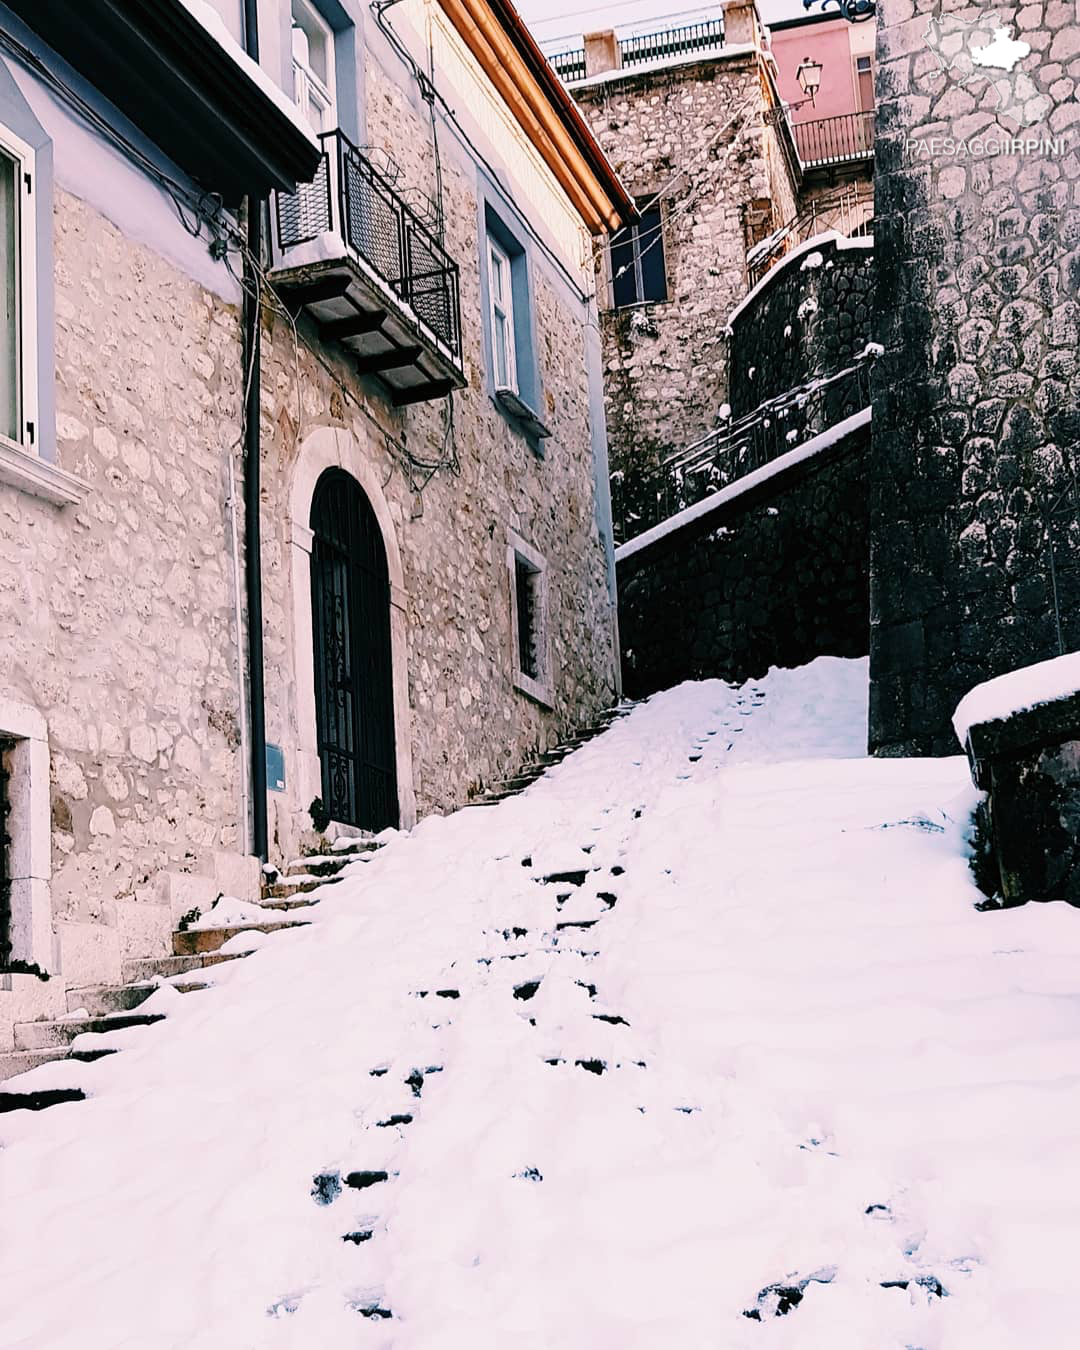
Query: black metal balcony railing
x,y
350,197
693,37
739,448
835,140
634,51
569,65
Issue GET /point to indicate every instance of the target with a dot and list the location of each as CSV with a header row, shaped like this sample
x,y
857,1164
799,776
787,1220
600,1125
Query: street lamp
x,y
809,77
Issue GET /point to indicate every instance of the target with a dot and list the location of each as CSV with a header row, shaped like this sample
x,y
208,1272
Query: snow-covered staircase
x,y
106,1008
198,946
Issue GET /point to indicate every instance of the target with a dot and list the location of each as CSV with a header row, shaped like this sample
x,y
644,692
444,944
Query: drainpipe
x,y
252,487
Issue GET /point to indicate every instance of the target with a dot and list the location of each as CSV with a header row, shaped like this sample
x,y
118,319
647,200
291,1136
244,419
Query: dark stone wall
x,y
810,318
974,521
776,586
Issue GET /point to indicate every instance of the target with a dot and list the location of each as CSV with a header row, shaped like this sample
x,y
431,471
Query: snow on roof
x,y
1017,691
215,28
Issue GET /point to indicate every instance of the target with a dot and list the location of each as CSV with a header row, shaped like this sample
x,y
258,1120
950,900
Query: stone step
x,y
55,1035
288,887
320,864
40,1100
164,967
201,941
286,905
20,1061
101,1000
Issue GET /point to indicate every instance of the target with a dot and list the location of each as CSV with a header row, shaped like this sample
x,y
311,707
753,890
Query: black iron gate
x,y
350,597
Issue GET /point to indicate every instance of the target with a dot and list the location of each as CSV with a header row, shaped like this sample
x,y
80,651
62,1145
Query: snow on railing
x,y
740,448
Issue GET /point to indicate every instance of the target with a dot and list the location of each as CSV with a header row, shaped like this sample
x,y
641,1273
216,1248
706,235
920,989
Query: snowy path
x,y
770,1041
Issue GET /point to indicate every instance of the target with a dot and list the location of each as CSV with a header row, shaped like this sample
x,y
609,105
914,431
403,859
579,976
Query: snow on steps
x,y
196,947
199,941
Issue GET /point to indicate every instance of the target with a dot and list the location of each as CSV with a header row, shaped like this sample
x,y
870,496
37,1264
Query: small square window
x,y
528,603
638,269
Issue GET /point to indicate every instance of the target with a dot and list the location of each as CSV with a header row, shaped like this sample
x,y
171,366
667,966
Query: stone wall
x,y
810,317
774,585
694,130
976,428
117,614
469,725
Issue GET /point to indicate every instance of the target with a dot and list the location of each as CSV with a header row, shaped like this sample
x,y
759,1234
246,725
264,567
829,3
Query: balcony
x,y
352,253
830,141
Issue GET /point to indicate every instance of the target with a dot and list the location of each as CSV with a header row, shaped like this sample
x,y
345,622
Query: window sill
x,y
539,693
36,476
515,407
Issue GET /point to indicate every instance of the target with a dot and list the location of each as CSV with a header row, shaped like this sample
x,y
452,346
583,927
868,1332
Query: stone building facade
x,y
694,129
976,431
124,700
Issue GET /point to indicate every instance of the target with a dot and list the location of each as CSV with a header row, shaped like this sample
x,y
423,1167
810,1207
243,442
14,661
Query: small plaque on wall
x,y
275,768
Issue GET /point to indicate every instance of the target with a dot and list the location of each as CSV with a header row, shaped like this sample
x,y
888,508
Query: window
x,y
509,335
503,351
313,66
526,578
864,83
528,602
18,369
638,274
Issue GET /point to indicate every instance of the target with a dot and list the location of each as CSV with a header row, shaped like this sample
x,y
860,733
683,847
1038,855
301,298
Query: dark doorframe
x,y
354,690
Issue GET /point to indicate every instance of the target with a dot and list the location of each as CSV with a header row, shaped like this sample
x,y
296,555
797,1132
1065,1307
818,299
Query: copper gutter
x,y
495,34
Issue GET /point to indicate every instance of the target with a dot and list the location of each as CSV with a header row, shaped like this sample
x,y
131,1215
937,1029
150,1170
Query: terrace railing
x,y
636,51
349,197
835,140
694,37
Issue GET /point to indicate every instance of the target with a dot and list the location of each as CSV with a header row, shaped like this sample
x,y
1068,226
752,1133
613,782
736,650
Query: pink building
x,y
837,127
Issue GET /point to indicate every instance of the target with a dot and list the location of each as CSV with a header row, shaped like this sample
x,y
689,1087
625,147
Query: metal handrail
x,y
834,140
850,210
691,37
350,197
738,448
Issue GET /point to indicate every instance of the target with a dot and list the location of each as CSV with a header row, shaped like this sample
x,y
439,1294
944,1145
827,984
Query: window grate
x,y
525,582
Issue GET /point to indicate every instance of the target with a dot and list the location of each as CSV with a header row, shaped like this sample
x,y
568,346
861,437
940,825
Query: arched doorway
x,y
350,619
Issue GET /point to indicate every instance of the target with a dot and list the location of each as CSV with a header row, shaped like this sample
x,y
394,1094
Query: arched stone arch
x,y
321,449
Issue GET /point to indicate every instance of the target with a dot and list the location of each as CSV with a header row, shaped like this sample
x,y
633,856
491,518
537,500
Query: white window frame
x,y
537,687
305,79
29,438
502,312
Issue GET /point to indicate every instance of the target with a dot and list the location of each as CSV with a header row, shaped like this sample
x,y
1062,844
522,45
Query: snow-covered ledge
x,y
38,477
1021,732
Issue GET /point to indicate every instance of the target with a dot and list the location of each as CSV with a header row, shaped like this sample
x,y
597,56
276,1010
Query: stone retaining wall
x,y
776,586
